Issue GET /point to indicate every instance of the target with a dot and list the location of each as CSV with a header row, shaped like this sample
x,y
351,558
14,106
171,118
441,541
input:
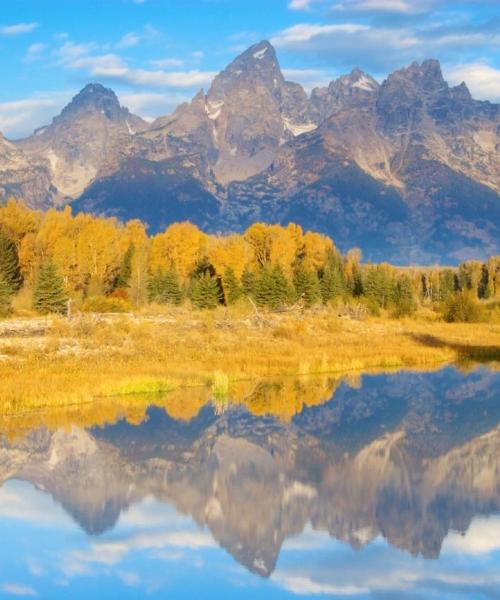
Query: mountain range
x,y
407,170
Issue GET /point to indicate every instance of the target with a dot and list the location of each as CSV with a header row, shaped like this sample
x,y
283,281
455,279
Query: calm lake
x,y
382,486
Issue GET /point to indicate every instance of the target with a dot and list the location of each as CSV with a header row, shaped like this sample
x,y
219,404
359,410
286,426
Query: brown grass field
x,y
59,362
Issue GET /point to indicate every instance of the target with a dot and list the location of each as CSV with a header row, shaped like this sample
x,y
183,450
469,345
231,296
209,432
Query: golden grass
x,y
88,357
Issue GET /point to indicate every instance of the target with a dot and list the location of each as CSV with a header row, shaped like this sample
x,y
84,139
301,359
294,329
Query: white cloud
x,y
482,79
300,4
305,32
129,40
114,68
110,553
150,105
408,7
483,537
129,578
17,589
35,52
176,79
308,78
305,586
21,501
167,63
18,29
70,51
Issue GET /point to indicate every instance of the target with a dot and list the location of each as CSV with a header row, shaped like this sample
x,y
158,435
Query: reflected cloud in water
x,y
389,489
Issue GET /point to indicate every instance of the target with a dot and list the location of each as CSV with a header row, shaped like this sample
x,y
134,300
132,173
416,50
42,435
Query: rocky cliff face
x,y
408,170
88,139
25,177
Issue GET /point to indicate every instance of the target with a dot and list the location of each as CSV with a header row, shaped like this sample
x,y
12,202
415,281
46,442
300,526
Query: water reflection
x,y
348,496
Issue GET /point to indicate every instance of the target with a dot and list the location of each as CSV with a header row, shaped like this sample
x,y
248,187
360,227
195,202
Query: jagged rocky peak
x,y
94,97
253,111
418,79
88,137
355,80
258,64
354,89
461,93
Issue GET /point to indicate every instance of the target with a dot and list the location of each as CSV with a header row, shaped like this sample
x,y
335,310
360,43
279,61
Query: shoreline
x,y
75,361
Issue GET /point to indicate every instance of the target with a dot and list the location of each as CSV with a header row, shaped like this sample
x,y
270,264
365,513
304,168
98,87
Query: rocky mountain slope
x,y
409,170
88,140
25,177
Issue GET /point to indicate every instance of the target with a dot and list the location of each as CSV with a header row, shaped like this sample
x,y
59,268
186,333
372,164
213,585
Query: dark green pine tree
x,y
248,282
154,285
306,284
9,263
283,290
205,291
231,286
332,284
379,286
263,288
448,285
404,298
273,289
5,297
125,272
170,288
48,294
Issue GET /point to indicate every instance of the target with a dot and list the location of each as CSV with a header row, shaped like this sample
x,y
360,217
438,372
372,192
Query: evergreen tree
x,y
48,294
205,291
232,289
170,288
5,297
125,272
379,286
283,291
332,283
154,285
404,298
248,282
306,284
263,288
355,283
9,263
272,289
447,284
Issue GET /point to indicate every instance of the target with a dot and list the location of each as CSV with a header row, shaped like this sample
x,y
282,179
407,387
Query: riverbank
x,y
55,361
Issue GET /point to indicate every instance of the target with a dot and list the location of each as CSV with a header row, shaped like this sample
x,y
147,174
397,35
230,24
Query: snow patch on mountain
x,y
298,129
259,55
213,109
364,83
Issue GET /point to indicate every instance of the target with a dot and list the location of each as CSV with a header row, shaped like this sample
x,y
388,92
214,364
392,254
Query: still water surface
x,y
390,489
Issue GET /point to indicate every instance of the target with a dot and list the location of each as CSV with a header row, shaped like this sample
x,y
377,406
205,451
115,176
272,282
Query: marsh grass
x,y
154,353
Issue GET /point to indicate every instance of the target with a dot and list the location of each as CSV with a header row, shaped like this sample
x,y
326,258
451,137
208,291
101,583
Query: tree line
x,y
102,264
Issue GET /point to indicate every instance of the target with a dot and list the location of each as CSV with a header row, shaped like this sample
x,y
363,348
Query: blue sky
x,y
157,53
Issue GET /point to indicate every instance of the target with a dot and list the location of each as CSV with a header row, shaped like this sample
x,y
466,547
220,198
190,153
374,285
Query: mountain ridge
x,y
409,169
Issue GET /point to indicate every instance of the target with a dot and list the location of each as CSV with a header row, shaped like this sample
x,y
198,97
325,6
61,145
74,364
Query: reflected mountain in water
x,y
409,456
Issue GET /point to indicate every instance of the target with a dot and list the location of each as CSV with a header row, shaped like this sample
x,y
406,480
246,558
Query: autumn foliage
x,y
96,258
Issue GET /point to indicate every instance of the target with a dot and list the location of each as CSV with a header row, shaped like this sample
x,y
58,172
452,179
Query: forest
x,y
102,265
